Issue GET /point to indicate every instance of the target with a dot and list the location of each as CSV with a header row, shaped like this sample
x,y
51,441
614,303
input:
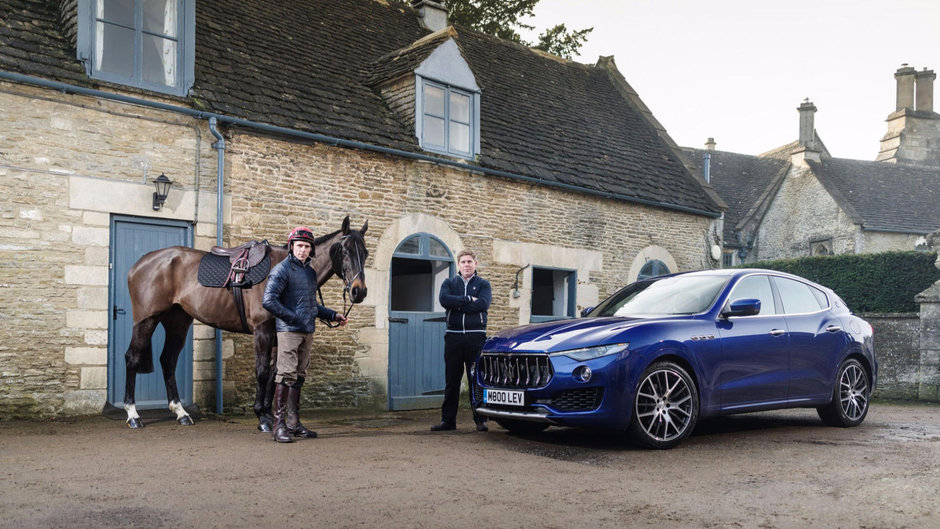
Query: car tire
x,y
665,406
851,393
521,427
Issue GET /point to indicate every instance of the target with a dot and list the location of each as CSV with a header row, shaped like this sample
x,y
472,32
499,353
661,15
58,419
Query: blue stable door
x,y
420,265
131,238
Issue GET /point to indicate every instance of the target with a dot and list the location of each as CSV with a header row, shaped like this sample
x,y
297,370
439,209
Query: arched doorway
x,y
419,265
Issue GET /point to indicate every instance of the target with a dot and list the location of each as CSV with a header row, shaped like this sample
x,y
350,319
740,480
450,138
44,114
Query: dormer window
x,y
446,119
147,44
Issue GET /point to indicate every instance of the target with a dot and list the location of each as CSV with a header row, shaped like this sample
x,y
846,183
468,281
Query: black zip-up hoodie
x,y
464,315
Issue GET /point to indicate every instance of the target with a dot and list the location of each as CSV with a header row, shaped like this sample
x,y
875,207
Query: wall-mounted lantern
x,y
162,184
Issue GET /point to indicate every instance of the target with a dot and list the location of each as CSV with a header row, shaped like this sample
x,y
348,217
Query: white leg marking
x,y
131,410
177,408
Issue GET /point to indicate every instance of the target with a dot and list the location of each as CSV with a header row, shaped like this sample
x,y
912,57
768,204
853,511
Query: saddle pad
x,y
214,270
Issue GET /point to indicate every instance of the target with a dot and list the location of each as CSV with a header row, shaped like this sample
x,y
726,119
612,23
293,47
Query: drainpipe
x,y
220,181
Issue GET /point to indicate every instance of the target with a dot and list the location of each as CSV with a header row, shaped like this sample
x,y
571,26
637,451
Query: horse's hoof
x,y
185,421
134,423
264,427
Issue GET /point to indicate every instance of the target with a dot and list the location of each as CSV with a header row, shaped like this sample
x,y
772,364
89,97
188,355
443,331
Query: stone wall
x,y
68,163
897,349
802,212
509,224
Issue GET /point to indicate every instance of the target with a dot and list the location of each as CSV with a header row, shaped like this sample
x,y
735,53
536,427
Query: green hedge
x,y
880,282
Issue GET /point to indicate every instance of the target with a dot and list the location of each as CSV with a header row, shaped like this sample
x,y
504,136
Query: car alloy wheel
x,y
850,396
666,406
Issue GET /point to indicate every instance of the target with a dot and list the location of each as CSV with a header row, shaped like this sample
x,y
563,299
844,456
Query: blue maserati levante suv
x,y
663,352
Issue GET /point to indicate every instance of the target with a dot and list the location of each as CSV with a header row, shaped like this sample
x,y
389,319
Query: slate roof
x,y
883,196
743,181
310,65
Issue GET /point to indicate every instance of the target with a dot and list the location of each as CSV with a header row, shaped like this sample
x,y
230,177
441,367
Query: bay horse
x,y
164,288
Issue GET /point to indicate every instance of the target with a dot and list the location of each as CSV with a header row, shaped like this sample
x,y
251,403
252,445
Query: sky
x,y
736,70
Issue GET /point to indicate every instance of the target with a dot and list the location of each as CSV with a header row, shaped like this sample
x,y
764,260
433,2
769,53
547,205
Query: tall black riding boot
x,y
293,413
279,431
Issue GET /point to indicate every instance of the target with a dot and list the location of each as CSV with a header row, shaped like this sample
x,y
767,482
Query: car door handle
x,y
833,328
777,332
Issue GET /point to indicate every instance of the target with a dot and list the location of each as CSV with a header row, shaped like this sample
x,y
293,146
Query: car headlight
x,y
589,353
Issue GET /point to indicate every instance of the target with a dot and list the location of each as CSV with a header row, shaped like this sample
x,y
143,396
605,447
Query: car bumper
x,y
601,402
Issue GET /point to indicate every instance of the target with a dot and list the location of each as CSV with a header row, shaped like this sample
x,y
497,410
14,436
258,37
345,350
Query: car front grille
x,y
578,399
515,370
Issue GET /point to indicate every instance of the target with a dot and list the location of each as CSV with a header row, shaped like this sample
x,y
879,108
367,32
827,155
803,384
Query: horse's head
x,y
348,257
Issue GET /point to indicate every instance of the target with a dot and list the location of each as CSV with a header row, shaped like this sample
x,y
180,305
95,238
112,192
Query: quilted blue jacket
x,y
291,297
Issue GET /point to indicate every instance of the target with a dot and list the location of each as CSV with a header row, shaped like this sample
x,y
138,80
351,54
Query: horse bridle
x,y
346,284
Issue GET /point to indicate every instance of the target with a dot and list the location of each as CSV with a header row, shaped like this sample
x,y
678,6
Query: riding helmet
x,y
300,233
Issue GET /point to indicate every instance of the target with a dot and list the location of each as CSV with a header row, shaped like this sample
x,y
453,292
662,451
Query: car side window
x,y
797,297
756,287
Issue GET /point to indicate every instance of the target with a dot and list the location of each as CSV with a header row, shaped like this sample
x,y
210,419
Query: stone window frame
x,y
824,244
87,42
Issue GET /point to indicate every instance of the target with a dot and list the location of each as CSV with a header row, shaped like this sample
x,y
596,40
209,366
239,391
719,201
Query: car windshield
x,y
682,294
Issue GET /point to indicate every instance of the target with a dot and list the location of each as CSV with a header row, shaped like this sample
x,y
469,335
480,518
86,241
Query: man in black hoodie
x,y
466,297
291,296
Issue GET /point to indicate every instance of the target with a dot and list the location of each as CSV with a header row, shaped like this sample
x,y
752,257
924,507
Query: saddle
x,y
236,268
241,258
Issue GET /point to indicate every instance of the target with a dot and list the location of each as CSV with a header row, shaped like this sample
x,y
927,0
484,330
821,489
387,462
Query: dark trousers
x,y
460,351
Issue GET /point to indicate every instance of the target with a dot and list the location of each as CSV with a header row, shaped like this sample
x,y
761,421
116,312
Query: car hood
x,y
561,335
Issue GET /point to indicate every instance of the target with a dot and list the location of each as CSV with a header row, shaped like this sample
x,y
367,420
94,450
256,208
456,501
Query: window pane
x,y
459,137
158,60
437,249
433,101
410,246
117,11
756,287
160,17
115,50
797,297
433,131
653,268
459,107
820,297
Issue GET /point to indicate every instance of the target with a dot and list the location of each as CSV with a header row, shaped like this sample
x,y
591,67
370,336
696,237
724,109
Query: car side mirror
x,y
741,307
585,311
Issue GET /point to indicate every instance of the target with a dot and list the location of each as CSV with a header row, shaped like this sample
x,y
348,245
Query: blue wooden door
x,y
131,238
416,324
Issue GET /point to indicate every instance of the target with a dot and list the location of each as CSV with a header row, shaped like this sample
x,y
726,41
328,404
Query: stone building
x,y
268,115
798,200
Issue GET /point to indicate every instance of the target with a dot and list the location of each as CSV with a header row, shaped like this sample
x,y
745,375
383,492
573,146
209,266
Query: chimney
x,y
905,78
710,144
807,126
924,80
433,14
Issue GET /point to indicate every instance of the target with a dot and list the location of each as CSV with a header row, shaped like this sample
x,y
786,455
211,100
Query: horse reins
x,y
346,284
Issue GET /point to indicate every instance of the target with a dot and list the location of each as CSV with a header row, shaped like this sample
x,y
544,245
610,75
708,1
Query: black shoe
x,y
481,427
443,426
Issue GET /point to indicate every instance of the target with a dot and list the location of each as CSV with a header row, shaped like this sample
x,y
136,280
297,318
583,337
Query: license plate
x,y
504,396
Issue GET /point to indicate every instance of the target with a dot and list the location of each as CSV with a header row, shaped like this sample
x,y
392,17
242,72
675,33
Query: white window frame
x,y
89,48
473,125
